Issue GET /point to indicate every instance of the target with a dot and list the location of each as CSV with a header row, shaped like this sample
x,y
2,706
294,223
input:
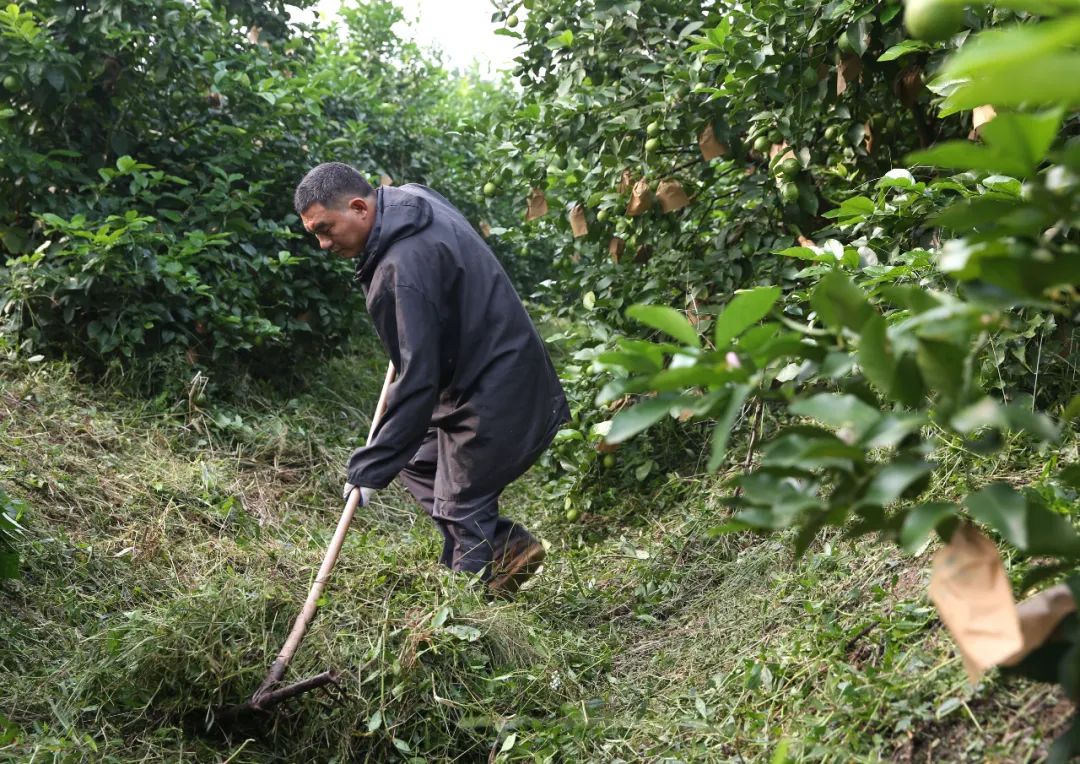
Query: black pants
x,y
472,530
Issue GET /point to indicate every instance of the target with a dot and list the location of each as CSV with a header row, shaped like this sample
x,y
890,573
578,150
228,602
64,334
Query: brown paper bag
x,y
849,71
485,229
1040,615
642,255
671,196
979,117
386,180
908,85
538,206
783,150
625,182
971,592
640,200
615,248
868,138
710,147
577,221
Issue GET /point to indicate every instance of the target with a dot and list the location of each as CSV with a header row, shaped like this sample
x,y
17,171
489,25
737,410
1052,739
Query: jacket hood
x,y
399,214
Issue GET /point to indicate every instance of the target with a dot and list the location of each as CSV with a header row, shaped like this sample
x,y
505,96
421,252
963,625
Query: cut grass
x,y
169,547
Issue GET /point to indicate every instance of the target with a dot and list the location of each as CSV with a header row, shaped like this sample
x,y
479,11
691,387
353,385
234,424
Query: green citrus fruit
x,y
832,132
761,144
933,20
775,136
512,20
653,128
609,461
11,84
789,192
651,144
789,166
489,189
572,515
602,215
844,43
809,77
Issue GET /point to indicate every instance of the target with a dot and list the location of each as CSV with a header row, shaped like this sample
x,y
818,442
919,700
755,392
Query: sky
x,y
462,29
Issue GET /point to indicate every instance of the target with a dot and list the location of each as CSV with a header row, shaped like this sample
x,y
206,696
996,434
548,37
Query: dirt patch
x,y
1034,719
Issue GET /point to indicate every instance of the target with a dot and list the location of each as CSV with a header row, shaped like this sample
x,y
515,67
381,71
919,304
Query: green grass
x,y
170,544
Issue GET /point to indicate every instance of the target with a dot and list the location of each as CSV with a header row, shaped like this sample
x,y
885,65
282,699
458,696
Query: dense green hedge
x,y
149,152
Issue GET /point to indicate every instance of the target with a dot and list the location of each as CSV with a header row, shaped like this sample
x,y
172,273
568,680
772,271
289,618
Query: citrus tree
x,y
845,231
675,147
150,151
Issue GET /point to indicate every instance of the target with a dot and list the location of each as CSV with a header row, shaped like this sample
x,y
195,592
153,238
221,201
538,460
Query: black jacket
x,y
470,363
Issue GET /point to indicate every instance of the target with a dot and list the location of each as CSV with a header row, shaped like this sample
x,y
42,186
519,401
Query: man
x,y
476,399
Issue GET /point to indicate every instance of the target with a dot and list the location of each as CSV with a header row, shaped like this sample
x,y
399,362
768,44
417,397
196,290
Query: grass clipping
x,y
169,559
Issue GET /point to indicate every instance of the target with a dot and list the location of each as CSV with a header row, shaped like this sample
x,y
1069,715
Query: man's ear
x,y
359,204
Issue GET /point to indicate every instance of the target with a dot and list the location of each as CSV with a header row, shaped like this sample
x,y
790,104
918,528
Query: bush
x,y
151,151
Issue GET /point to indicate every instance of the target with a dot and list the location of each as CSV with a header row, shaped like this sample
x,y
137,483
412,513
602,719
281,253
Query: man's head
x,y
338,206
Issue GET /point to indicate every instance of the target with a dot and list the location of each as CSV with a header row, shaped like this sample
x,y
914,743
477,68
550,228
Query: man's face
x,y
341,229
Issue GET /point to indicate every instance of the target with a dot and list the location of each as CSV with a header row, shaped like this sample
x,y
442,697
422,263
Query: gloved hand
x,y
349,488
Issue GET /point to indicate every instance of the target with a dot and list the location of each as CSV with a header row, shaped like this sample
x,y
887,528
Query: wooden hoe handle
x,y
300,626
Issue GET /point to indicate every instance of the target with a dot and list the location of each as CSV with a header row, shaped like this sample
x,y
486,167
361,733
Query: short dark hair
x,y
327,184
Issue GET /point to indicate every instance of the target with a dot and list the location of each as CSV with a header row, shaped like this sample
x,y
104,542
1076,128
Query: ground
x,y
170,543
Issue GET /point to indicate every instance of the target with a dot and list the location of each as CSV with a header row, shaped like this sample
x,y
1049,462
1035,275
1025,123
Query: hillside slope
x,y
169,544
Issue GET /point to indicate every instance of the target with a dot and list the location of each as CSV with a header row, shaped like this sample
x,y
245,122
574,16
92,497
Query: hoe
x,y
270,693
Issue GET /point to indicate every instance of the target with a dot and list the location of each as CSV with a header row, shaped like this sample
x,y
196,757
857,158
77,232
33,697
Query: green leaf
x,y
125,163
1070,476
875,355
853,210
9,732
1027,137
942,367
1004,510
690,376
563,40
892,429
894,481
989,413
963,155
667,320
722,431
840,303
1072,410
375,721
1024,521
744,310
1048,81
463,632
902,49
637,362
629,422
1004,48
1016,144
841,412
805,253
9,564
921,521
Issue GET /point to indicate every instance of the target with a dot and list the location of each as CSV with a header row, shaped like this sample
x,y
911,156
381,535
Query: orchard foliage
x,y
150,150
803,101
878,249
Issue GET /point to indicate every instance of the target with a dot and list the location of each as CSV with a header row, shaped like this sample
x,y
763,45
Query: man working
x,y
476,399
